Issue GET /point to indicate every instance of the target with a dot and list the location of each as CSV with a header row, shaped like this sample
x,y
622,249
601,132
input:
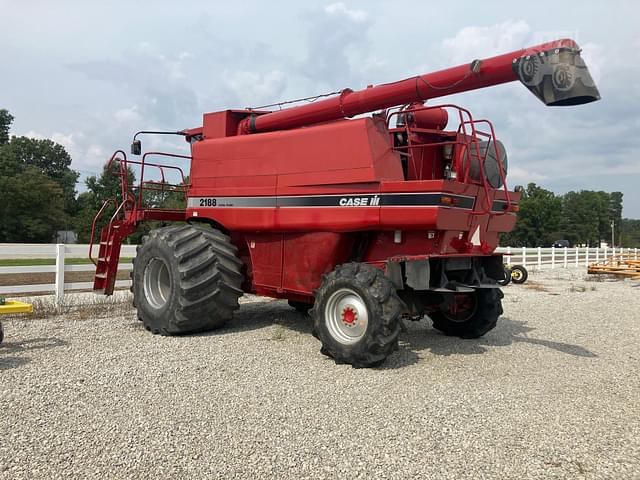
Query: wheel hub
x,y
346,316
157,282
349,316
461,307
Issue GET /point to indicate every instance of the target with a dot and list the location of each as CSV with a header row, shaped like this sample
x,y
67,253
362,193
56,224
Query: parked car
x,y
561,244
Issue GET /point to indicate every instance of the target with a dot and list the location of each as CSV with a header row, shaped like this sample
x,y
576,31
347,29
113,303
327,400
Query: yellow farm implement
x,y
12,306
623,265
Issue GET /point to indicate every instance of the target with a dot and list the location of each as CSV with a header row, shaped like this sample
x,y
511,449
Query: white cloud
x,y
481,42
255,87
341,9
66,140
521,175
128,115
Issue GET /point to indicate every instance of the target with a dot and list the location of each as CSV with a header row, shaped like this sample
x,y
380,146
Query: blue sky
x,y
89,74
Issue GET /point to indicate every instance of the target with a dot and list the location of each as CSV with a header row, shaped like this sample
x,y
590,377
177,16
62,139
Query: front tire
x,y
186,279
482,315
356,315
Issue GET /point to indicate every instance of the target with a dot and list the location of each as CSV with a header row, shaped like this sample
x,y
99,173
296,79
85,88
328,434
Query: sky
x,y
89,74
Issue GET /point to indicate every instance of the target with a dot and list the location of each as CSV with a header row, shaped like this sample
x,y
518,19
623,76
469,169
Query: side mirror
x,y
136,147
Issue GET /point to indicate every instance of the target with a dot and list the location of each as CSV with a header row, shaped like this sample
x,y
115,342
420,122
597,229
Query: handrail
x,y
470,141
124,163
93,225
501,171
161,167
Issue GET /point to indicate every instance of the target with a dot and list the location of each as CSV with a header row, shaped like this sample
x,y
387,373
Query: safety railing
x,y
146,185
109,201
469,133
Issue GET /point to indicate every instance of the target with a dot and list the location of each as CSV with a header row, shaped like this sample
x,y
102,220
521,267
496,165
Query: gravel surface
x,y
552,392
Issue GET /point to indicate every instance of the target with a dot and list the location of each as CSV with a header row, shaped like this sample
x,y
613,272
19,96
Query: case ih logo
x,y
359,201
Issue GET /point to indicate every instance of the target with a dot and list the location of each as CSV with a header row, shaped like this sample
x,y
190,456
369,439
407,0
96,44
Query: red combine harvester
x,y
363,221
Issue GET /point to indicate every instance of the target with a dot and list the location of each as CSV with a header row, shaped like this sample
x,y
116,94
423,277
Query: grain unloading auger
x,y
362,221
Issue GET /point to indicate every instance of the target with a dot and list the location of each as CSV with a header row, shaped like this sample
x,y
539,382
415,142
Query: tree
x,y
17,154
538,219
6,119
630,232
586,217
99,190
616,213
31,207
48,157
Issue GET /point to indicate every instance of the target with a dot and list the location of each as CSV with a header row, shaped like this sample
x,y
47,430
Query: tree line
x,y
38,194
583,218
38,197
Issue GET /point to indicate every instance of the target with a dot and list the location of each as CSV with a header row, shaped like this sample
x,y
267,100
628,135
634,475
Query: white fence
x,y
537,258
59,252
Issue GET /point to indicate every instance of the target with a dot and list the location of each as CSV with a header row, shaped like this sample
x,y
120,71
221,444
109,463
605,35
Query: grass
x,y
27,262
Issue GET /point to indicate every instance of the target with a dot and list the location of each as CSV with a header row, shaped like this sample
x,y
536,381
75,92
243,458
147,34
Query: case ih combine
x,y
363,221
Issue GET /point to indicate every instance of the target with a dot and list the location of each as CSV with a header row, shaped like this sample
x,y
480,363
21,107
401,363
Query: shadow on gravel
x,y
257,315
507,332
44,343
419,337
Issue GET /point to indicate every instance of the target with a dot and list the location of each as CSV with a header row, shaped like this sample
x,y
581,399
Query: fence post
x,y
59,292
553,258
597,254
577,255
565,256
586,258
539,258
524,256
605,254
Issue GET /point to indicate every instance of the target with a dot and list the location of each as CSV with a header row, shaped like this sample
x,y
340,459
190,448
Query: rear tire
x,y
483,318
519,274
356,315
186,279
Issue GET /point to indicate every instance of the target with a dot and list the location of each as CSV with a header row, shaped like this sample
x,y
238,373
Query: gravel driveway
x,y
553,392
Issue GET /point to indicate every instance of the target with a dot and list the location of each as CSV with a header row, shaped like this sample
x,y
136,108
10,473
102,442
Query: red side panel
x,y
338,153
309,255
278,263
266,259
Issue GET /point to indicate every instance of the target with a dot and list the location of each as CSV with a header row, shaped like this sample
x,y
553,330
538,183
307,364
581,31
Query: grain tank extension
x,y
361,222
